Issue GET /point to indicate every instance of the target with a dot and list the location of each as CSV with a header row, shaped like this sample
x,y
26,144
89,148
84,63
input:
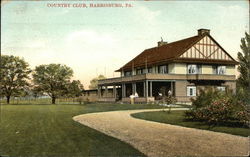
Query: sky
x,y
95,41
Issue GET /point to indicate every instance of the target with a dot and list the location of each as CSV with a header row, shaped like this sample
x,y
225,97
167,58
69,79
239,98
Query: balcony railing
x,y
152,76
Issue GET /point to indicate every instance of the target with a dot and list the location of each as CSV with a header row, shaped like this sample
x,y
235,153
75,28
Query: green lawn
x,y
177,118
48,130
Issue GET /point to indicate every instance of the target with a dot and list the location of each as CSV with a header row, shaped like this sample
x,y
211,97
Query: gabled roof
x,y
171,52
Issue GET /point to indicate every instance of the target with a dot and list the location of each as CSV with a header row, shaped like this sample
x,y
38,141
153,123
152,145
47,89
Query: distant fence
x,y
24,100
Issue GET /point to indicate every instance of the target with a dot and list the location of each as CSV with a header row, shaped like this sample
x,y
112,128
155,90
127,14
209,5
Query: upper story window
x,y
128,73
163,69
193,69
191,91
150,70
220,70
139,71
144,71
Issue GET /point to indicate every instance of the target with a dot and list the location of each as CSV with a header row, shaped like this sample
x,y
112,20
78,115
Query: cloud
x,y
146,14
90,45
143,15
90,38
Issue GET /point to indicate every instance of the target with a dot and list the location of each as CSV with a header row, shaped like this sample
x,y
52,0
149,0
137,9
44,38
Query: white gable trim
x,y
206,48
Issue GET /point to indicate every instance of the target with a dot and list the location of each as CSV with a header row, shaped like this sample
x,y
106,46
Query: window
x,y
128,73
194,69
144,71
221,88
219,70
150,70
139,71
163,69
191,91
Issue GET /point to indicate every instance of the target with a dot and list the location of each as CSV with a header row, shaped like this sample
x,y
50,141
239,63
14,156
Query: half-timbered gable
x,y
207,48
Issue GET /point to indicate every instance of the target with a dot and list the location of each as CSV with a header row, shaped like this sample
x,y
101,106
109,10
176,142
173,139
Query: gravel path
x,y
157,139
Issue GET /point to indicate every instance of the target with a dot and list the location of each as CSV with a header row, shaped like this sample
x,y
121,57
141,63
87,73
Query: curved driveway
x,y
158,139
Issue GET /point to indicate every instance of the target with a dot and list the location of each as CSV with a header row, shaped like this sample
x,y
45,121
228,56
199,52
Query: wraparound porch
x,y
147,90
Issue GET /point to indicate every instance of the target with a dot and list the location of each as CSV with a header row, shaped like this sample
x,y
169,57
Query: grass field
x,y
177,118
48,130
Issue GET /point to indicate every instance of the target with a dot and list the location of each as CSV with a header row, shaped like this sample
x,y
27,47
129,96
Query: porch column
x,y
123,90
114,91
146,89
151,89
106,91
133,88
99,92
172,88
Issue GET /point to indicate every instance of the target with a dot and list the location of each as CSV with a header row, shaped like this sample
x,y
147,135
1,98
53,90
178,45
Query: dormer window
x,y
163,69
193,69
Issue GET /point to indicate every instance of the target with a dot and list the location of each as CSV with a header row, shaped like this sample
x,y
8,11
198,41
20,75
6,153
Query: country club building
x,y
179,68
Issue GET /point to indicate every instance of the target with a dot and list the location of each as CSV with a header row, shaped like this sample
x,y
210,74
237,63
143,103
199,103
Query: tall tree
x,y
52,79
94,82
14,75
74,89
244,68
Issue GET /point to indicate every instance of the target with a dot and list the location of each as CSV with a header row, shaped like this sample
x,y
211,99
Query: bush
x,y
170,99
206,96
225,107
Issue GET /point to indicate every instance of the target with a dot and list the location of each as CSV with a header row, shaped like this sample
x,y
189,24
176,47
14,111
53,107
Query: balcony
x,y
152,76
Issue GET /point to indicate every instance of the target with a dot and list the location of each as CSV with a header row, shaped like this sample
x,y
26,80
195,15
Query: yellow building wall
x,y
171,68
180,68
154,69
230,70
207,69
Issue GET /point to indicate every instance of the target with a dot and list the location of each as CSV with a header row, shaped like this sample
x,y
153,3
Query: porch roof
x,y
165,77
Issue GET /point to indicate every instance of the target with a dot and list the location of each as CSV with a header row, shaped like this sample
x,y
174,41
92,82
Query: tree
x,y
14,75
94,82
243,81
75,89
52,79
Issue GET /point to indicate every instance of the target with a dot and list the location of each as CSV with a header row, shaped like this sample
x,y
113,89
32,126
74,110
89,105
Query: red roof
x,y
167,53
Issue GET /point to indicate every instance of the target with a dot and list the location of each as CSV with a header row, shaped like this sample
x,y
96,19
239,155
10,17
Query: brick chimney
x,y
160,43
203,32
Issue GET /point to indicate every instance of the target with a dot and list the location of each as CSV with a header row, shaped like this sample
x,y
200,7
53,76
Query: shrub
x,y
225,107
219,111
242,116
170,100
206,96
